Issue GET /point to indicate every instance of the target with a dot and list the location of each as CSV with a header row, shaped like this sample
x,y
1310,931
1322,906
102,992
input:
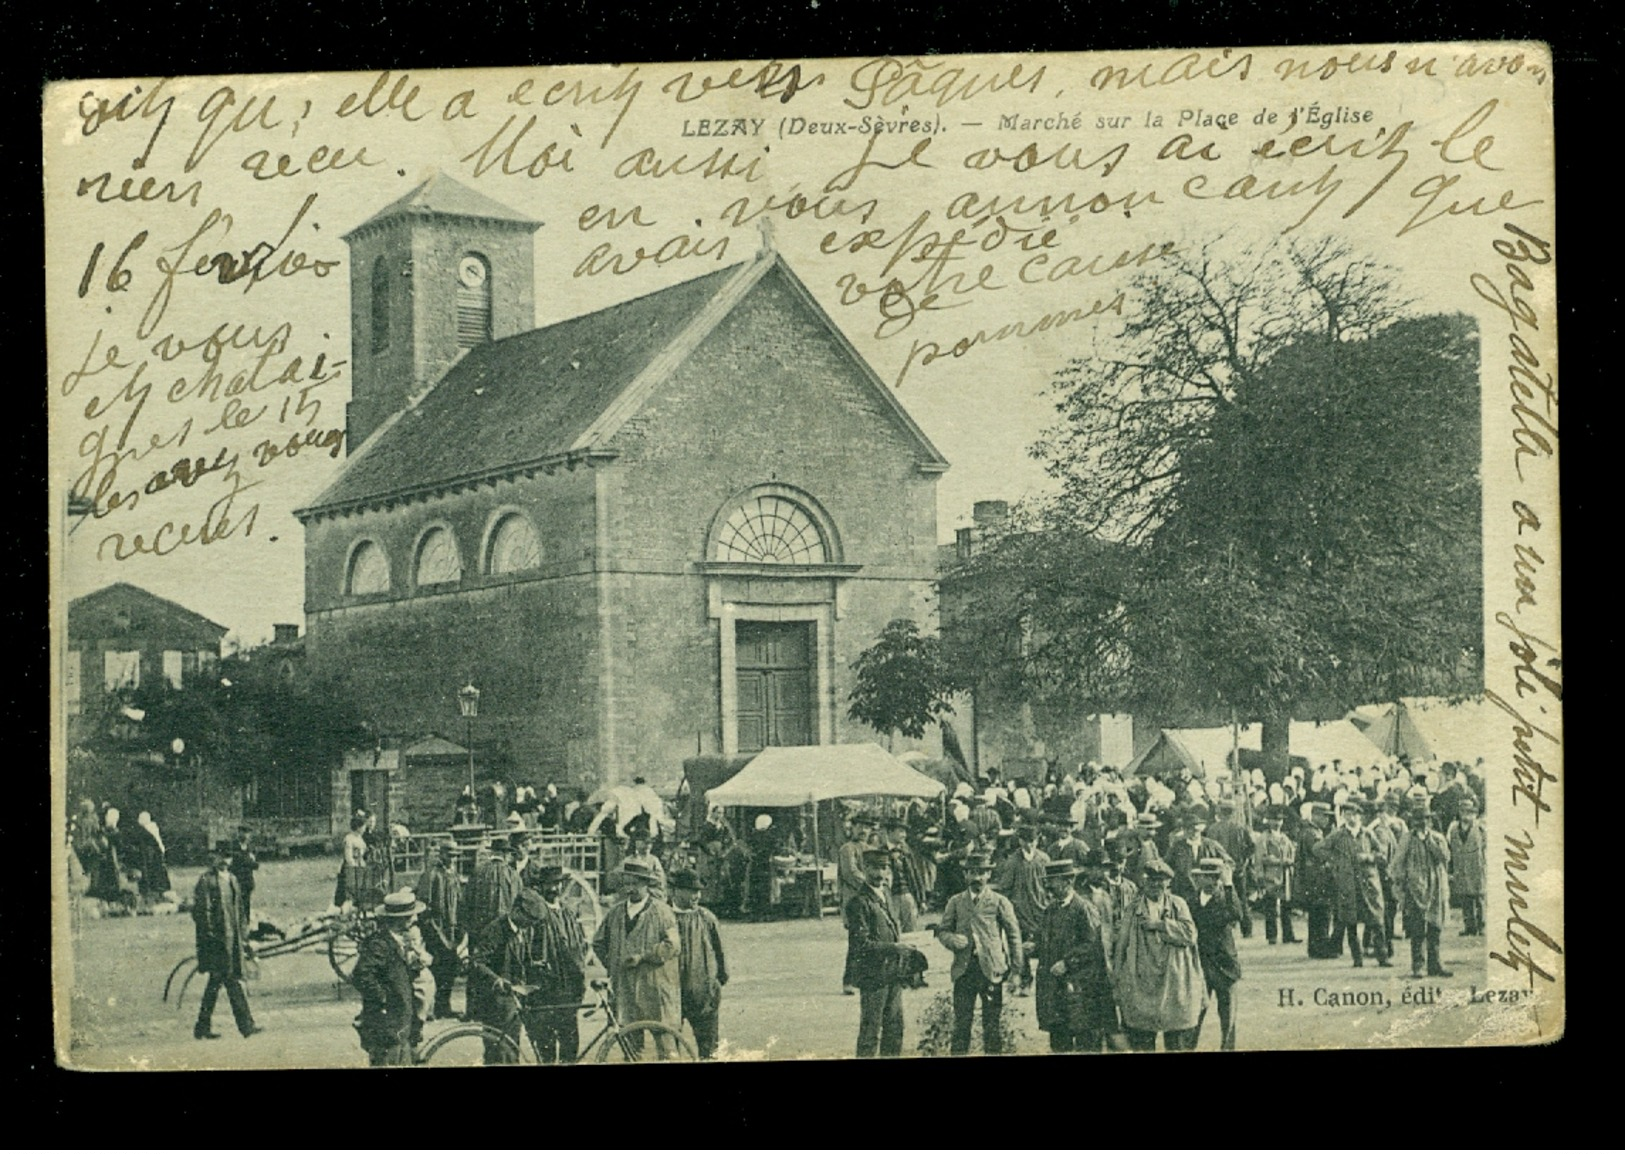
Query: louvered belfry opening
x,y
474,307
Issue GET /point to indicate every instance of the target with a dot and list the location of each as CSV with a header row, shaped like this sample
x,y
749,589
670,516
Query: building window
x,y
767,528
438,563
121,669
369,570
172,668
70,681
473,301
380,305
514,546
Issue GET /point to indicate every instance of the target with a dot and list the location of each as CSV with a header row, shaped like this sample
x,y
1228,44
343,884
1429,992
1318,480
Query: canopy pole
x,y
818,865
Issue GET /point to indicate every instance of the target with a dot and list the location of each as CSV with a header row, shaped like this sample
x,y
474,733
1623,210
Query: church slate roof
x,y
442,196
554,395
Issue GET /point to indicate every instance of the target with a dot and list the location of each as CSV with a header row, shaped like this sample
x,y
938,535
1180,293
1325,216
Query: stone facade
x,y
620,651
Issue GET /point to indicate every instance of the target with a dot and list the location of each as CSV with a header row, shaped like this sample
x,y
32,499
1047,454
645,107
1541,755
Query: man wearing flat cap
x,y
442,891
1074,1003
980,927
384,969
875,960
217,917
1356,859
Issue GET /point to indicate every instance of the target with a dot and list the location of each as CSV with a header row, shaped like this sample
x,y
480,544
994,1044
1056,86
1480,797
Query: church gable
x,y
776,367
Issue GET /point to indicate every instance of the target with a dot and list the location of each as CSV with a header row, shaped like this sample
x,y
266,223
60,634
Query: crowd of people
x,y
1118,903
525,953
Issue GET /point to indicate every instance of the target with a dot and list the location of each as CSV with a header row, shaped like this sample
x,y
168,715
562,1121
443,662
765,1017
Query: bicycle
x,y
467,1044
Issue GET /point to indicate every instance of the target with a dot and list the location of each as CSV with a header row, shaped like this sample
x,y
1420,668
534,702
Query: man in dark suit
x,y
217,916
1187,848
492,889
1237,840
441,890
388,1023
1216,912
876,960
505,958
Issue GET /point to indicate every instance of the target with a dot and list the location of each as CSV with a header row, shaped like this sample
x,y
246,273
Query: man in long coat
x,y
441,891
1020,878
1074,1003
1421,875
639,945
702,966
1190,846
1356,858
217,917
849,874
980,927
1468,846
1156,969
506,957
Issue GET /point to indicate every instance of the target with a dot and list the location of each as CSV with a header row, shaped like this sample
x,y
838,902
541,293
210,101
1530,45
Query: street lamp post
x,y
468,701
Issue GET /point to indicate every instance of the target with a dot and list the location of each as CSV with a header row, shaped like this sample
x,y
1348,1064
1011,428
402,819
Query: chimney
x,y
990,514
285,634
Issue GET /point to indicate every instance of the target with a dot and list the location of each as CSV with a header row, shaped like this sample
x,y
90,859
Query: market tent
x,y
791,775
1204,751
1448,730
1394,733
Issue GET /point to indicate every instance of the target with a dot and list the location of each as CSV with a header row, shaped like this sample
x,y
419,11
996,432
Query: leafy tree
x,y
1268,502
903,684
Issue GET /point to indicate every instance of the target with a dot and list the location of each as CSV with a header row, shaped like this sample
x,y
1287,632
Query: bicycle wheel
x,y
468,1045
579,895
343,947
646,1042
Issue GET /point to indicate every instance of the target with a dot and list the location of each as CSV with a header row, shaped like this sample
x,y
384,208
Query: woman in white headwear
x,y
154,867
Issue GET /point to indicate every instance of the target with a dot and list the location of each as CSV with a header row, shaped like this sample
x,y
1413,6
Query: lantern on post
x,y
468,703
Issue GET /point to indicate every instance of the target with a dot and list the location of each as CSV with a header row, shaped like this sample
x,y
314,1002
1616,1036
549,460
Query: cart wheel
x,y
646,1042
343,947
580,895
467,1045
169,982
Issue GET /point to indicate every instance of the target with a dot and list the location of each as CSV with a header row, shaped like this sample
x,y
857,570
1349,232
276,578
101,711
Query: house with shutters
x,y
660,530
121,638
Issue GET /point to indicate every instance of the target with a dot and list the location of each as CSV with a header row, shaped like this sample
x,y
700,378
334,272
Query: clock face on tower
x,y
471,271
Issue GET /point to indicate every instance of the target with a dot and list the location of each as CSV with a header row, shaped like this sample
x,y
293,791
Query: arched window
x,y
368,571
380,305
438,562
769,528
473,300
514,546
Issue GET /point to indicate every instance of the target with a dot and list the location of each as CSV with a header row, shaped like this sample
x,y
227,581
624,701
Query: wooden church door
x,y
775,678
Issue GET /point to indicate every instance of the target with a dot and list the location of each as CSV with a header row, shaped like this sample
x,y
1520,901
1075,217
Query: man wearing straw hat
x,y
388,1023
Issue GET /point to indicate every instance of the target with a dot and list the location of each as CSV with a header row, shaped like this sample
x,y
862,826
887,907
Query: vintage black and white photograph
x,y
1007,555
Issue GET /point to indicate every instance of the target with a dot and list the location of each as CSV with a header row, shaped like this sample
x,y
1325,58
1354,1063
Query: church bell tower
x,y
437,273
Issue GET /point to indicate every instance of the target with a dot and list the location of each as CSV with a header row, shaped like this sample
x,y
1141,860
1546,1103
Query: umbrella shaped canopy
x,y
789,775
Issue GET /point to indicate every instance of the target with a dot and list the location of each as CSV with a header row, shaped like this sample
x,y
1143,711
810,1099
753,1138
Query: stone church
x,y
660,530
